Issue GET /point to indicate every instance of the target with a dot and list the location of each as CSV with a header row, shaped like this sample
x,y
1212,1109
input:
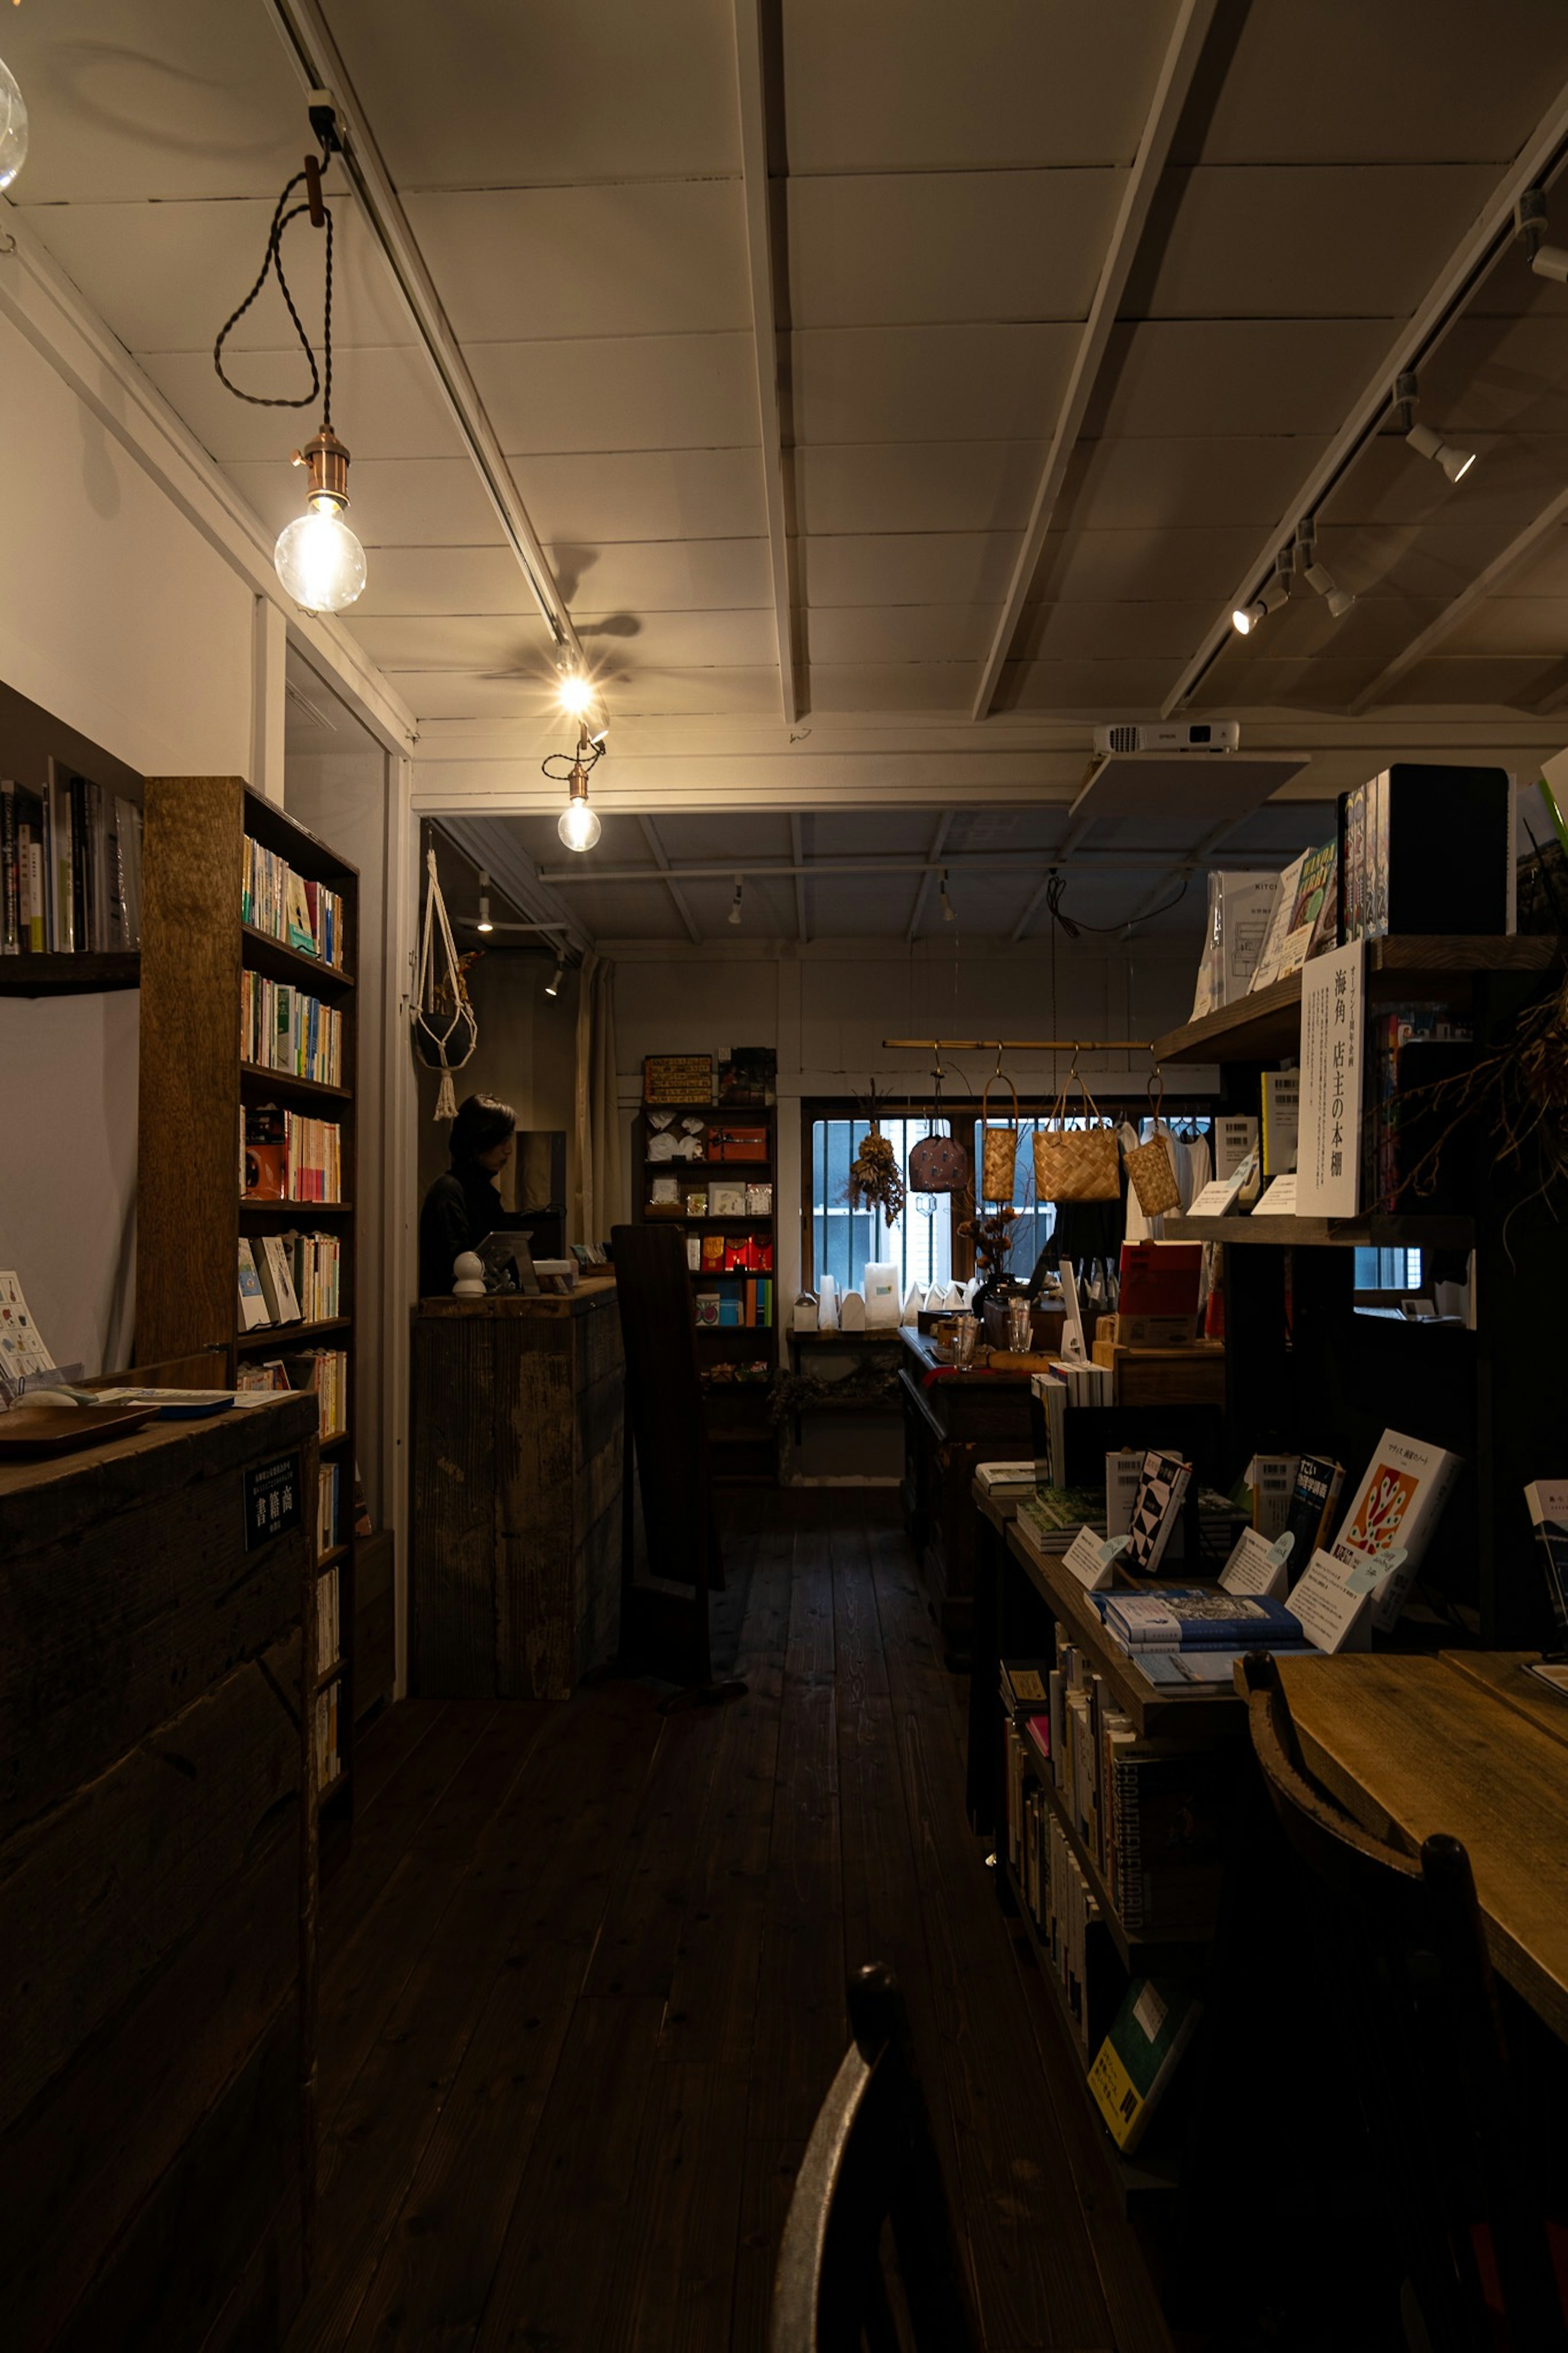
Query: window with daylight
x,y
845,1241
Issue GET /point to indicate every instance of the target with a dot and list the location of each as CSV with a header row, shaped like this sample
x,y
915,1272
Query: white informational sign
x,y
1279,1201
1256,1565
1216,1197
1333,1616
1328,1158
1234,1133
1074,1349
1092,1559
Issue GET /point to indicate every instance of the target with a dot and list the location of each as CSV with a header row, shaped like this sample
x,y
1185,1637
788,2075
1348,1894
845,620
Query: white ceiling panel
x,y
1163,485
930,383
866,833
1436,560
645,494
892,686
1233,376
1545,571
1405,82
1487,681
1375,627
662,257
911,567
1101,690
1306,241
1521,626
617,646
900,633
623,911
1131,630
131,100
912,486
1104,566
402,502
1242,682
1493,375
385,403
1511,480
613,392
916,85
685,694
505,93
943,245
670,575
166,275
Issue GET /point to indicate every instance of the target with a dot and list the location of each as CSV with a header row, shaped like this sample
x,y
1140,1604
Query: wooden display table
x,y
517,1492
953,1421
157,1885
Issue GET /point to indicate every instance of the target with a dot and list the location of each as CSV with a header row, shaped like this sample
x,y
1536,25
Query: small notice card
x,y
1092,1559
1256,1565
1333,1617
1279,1201
1328,1152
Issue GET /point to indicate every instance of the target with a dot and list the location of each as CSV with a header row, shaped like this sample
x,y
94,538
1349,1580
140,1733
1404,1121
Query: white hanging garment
x,y
443,1020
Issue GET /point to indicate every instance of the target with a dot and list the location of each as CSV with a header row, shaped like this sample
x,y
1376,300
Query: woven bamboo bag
x,y
1076,1164
999,1149
1149,1169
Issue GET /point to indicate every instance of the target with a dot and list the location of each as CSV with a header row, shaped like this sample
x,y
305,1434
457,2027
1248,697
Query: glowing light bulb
x,y
320,561
578,827
576,695
13,127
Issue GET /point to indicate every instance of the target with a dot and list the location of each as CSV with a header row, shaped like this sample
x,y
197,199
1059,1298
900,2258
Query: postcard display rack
x,y
202,956
732,1145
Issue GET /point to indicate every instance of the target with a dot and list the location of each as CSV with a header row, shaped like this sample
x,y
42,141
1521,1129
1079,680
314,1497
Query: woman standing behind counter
x,y
465,1205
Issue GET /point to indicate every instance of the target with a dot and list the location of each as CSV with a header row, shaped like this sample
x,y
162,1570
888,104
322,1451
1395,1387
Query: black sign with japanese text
x,y
273,1501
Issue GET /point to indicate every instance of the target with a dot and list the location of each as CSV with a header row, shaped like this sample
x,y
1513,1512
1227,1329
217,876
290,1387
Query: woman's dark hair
x,y
482,1122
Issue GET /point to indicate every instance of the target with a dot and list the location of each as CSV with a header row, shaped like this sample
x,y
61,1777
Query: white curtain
x,y
597,1197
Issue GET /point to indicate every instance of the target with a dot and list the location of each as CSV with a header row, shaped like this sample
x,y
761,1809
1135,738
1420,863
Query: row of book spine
x,y
329,1761
329,1636
289,1279
328,1513
285,1156
282,1029
324,1372
70,869
304,915
1056,1896
748,1307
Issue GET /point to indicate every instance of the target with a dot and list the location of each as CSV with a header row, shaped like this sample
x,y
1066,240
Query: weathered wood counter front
x,y
157,1876
517,1492
952,1422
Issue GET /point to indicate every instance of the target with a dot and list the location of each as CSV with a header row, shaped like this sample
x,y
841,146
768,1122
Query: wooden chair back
x,y
871,2162
1418,1985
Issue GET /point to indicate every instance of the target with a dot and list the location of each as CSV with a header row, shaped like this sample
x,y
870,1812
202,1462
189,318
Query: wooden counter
x,y
517,1492
157,1889
952,1422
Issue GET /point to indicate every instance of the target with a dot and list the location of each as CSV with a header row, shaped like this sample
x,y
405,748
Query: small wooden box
x,y
1193,1375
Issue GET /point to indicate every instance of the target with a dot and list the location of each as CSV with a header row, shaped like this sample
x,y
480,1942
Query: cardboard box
x,y
1191,1375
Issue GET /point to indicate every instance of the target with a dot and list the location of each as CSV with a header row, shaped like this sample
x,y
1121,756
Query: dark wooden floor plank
x,y
766,2181
1038,2279
554,2278
384,1747
673,2272
381,1838
530,1922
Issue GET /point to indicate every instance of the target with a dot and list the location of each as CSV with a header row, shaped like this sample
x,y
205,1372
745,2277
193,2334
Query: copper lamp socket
x,y
327,462
577,783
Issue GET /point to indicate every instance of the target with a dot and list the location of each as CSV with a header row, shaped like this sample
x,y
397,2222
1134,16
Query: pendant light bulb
x,y
577,824
318,560
13,127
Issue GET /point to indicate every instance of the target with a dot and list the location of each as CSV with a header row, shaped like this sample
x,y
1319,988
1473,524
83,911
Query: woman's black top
x,y
460,1208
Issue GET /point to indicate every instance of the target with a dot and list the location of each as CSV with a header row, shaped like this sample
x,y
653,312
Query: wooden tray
x,y
54,1429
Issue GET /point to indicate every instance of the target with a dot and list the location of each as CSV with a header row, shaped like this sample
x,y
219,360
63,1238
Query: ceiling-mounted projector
x,y
1169,735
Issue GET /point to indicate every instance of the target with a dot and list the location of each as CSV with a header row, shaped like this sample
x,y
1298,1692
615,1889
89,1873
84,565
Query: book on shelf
x,y
1277,952
253,1305
1396,1508
1163,1484
991,1477
328,1512
1050,1517
282,1027
1190,1619
1157,2020
1399,872
286,1157
329,1761
1240,912
324,1371
328,1637
1024,1686
273,1265
1318,1479
289,907
70,868
1546,1500
1270,1485
1280,1104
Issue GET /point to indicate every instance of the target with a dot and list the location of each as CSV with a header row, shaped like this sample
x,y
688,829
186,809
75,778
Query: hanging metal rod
x,y
1121,861
1021,1045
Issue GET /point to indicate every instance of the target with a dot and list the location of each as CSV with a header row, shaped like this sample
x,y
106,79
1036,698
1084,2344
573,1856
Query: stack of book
x,y
70,869
288,1279
1050,1517
326,1371
281,1028
284,1156
1189,1617
1056,1896
304,915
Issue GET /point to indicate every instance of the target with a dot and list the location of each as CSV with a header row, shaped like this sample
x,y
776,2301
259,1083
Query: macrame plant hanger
x,y
443,1018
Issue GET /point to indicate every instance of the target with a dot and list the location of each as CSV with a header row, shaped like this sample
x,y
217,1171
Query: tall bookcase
x,y
744,1443
195,1089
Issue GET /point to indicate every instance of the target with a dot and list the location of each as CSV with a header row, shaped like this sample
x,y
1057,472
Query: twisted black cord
x,y
587,761
274,262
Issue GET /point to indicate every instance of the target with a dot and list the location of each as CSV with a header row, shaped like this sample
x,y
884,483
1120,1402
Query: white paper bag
x,y
913,1301
826,1304
852,1313
882,1296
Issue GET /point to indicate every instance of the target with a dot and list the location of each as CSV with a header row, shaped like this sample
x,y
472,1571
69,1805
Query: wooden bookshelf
x,y
1266,1025
741,1431
87,974
195,1089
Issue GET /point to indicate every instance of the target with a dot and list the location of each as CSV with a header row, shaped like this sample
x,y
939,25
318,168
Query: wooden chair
x,y
1420,2007
872,2161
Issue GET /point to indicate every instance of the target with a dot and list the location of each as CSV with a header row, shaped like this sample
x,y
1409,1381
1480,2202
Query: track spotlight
x,y
1454,461
484,923
1248,617
735,916
1530,227
946,902
553,985
1317,576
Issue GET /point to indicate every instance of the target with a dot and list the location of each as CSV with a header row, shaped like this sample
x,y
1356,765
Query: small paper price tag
x,y
1258,1567
1333,1617
1091,1558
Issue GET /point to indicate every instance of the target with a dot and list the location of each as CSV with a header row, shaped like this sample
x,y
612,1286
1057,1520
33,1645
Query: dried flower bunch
x,y
874,1178
1520,1090
993,1237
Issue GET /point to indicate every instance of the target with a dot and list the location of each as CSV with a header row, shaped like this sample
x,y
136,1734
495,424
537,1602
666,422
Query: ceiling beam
x,y
492,843
797,852
1020,928
650,835
1183,53
319,65
923,886
1125,862
1492,228
1457,607
761,99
